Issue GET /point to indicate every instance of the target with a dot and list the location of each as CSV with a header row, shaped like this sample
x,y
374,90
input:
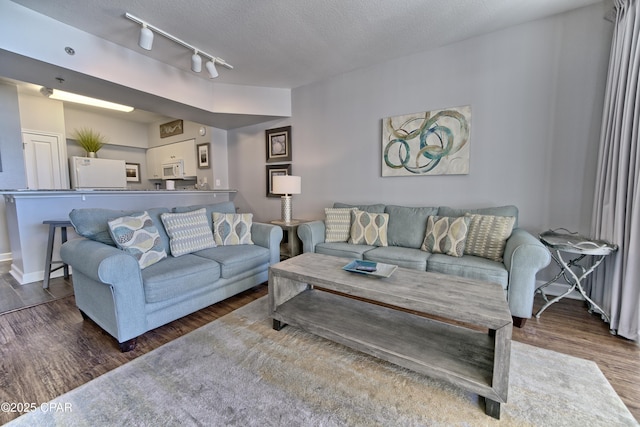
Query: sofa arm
x,y
311,233
100,262
100,271
524,256
268,236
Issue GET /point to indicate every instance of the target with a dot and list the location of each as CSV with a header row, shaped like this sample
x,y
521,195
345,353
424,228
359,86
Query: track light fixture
x,y
146,37
211,68
196,62
146,40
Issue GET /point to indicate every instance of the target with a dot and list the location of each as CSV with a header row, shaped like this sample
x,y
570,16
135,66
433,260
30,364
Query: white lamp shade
x,y
286,184
146,38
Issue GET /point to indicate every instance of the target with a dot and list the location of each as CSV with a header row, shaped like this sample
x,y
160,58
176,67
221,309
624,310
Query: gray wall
x,y
12,174
536,92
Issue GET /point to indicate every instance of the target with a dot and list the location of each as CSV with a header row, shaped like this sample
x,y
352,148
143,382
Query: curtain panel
x,y
616,214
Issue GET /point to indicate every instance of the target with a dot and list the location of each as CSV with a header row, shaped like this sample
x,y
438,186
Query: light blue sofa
x,y
524,255
112,290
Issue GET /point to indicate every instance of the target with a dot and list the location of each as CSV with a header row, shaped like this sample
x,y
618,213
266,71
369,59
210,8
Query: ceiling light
x,y
196,62
80,99
146,39
211,68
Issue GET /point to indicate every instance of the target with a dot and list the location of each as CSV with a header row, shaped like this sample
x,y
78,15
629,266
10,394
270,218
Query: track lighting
x,y
146,40
211,68
146,37
196,62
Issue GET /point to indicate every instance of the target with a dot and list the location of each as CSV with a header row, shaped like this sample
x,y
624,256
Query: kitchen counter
x,y
75,192
27,209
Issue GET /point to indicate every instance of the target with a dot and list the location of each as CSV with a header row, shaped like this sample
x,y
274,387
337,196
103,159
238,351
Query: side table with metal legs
x,y
573,243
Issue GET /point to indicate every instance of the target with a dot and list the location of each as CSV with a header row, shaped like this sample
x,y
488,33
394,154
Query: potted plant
x,y
90,140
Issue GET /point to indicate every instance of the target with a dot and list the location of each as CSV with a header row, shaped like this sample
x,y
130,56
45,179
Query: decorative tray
x,y
370,268
576,243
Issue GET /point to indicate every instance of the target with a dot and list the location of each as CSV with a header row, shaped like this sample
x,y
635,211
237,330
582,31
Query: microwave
x,y
173,170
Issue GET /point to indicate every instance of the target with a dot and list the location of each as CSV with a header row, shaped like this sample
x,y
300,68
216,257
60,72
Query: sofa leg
x,y
519,322
128,345
84,316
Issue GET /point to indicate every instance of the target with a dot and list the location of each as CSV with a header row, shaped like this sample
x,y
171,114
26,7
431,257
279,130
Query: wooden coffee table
x,y
370,314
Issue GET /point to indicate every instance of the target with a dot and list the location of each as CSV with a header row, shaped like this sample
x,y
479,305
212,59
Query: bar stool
x,y
53,224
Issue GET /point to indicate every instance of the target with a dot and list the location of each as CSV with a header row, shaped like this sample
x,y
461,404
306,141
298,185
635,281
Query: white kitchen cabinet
x,y
184,150
154,170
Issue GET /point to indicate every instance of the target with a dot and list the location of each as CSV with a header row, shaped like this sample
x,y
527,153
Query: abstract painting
x,y
431,143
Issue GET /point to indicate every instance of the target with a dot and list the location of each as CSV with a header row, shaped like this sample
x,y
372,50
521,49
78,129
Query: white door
x,y
43,161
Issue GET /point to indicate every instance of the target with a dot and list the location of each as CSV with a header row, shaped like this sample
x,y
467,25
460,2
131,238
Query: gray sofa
x,y
126,301
523,256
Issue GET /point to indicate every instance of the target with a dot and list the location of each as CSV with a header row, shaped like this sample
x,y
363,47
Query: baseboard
x,y
6,256
35,276
556,289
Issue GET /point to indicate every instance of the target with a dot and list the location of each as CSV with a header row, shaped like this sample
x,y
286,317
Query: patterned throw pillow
x,y
188,232
369,228
232,229
446,235
488,235
137,235
337,224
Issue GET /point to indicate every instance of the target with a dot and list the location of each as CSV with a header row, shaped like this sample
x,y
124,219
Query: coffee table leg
x,y
492,408
277,325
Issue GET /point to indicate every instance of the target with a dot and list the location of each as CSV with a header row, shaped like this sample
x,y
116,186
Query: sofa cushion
x,y
232,229
174,277
188,232
337,224
344,250
222,207
446,235
408,225
237,259
377,208
471,267
488,235
92,223
368,228
402,257
508,210
136,234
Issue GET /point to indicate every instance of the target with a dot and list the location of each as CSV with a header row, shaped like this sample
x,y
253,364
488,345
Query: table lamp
x,y
286,185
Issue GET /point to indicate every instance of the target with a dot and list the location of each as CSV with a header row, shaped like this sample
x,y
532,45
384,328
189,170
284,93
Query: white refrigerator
x,y
91,173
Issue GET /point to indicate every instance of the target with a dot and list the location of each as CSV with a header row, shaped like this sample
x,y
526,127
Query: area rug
x,y
237,370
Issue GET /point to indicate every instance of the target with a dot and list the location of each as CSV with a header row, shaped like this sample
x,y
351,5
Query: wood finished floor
x,y
48,349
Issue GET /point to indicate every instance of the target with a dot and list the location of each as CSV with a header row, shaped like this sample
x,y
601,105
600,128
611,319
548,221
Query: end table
x,y
291,244
580,247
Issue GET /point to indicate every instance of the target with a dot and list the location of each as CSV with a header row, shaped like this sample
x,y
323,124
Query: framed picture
x,y
132,171
171,128
275,170
432,142
278,144
203,156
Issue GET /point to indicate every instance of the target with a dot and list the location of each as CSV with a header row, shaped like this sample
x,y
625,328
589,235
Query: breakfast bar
x,y
26,210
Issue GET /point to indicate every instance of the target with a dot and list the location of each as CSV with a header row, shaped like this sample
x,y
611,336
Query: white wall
x,y
38,113
118,131
536,92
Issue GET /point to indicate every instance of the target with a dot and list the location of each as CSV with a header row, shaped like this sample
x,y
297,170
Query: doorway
x,y
44,158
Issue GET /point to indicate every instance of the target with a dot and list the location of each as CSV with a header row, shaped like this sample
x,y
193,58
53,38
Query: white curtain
x,y
616,214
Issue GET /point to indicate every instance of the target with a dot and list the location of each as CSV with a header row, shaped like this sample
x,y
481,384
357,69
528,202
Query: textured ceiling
x,y
290,43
